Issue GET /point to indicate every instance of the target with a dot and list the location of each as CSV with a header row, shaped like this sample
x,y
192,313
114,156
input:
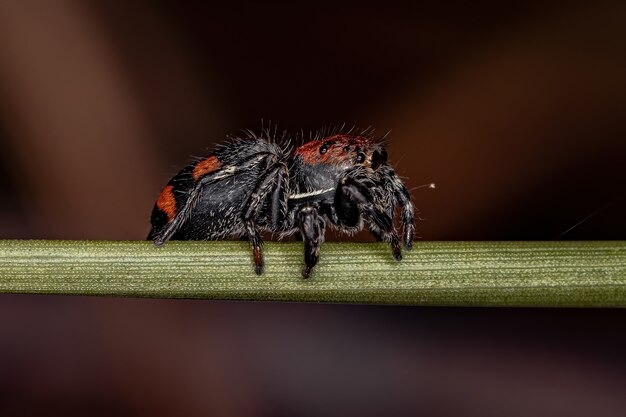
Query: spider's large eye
x,y
325,146
360,157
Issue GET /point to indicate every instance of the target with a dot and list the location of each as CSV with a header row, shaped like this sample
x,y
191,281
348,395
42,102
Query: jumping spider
x,y
252,185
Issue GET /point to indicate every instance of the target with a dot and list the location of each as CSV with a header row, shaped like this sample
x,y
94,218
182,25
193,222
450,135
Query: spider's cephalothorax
x,y
253,185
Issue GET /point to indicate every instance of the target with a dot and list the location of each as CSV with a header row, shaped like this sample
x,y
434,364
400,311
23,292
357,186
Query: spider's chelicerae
x,y
253,185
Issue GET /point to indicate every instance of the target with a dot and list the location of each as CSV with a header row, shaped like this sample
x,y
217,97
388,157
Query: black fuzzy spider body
x,y
250,186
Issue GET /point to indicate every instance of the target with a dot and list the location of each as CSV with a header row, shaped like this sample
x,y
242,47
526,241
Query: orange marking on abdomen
x,y
167,203
206,166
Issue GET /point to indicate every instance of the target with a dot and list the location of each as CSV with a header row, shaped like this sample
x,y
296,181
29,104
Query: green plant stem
x,y
577,274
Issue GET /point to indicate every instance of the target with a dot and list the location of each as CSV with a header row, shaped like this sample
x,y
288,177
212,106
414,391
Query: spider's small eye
x,y
360,158
325,146
346,149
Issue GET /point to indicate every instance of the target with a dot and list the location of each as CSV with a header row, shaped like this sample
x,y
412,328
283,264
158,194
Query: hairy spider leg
x,y
403,199
358,194
268,183
312,229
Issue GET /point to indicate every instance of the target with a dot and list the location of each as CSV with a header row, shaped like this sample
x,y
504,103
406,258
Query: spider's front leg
x,y
312,228
402,197
354,198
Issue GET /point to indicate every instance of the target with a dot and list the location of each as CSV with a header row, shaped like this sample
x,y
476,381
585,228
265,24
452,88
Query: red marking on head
x,y
167,203
206,166
335,153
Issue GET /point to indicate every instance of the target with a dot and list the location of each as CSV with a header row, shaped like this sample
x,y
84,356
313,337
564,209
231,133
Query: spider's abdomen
x,y
219,186
217,213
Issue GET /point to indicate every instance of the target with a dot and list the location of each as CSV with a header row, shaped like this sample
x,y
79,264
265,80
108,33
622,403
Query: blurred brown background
x,y
515,111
